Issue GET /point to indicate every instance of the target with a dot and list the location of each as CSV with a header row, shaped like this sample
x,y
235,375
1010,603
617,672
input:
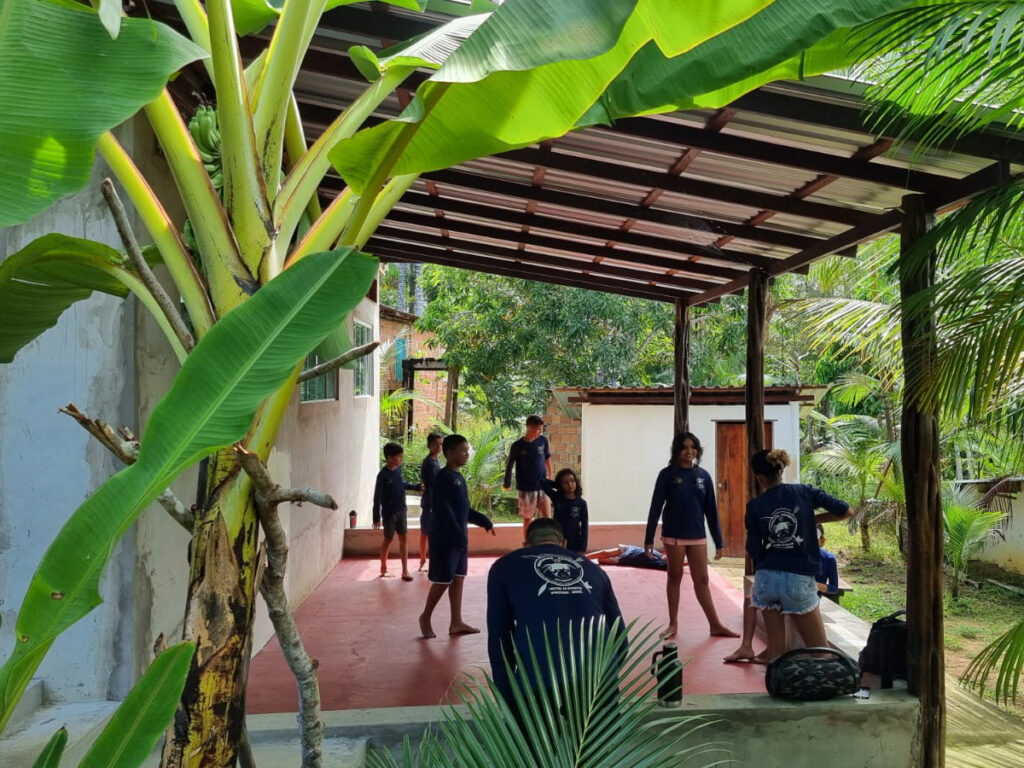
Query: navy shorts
x,y
446,563
395,523
425,517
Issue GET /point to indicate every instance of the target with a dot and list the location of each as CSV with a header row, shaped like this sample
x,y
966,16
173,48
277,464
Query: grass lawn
x,y
879,579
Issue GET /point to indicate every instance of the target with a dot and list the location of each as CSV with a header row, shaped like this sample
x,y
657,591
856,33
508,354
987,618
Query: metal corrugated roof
x,y
671,207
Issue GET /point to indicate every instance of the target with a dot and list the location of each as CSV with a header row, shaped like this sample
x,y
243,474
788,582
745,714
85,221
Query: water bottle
x,y
352,519
666,668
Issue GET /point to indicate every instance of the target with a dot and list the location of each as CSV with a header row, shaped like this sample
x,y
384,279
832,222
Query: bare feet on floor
x,y
723,631
743,653
423,567
462,629
387,575
668,632
425,629
406,576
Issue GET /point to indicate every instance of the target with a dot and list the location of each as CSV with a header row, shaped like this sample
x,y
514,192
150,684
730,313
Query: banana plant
x,y
264,274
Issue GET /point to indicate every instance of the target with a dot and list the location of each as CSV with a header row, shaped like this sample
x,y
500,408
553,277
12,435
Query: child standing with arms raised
x,y
570,509
449,538
389,508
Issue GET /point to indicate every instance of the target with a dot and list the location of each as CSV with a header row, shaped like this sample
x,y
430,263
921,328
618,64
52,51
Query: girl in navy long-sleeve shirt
x,y
569,509
684,497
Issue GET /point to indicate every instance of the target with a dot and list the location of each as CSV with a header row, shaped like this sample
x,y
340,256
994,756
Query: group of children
x,y
446,511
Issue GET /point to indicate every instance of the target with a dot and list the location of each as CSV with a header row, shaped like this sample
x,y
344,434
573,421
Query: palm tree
x,y
967,530
597,713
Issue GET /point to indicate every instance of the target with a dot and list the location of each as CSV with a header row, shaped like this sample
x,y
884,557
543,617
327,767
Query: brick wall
x,y
564,435
432,385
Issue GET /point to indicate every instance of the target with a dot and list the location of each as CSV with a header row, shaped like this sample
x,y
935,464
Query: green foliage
x,y
140,720
1005,656
53,751
51,119
514,339
597,713
967,532
251,352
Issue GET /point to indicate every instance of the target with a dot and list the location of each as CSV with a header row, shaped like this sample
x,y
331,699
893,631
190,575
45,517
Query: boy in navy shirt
x,y
827,577
389,508
449,538
428,471
542,588
531,456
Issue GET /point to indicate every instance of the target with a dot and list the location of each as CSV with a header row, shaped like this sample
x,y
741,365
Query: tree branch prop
x,y
131,245
269,495
353,354
125,446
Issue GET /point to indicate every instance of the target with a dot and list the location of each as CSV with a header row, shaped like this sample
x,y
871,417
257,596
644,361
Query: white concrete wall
x,y
49,465
1007,554
331,446
625,447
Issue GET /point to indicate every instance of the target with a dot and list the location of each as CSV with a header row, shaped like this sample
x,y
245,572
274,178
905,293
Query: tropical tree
x,y
968,529
260,288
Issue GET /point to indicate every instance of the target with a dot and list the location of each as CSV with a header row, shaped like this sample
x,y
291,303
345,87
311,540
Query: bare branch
x,y
268,496
163,300
353,354
125,446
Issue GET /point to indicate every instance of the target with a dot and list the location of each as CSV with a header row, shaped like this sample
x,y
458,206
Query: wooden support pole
x,y
451,400
919,445
757,308
681,388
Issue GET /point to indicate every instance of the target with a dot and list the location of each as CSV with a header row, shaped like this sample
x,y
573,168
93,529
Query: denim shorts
x,y
784,591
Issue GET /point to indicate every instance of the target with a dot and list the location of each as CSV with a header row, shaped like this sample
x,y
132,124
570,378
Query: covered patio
x,y
686,208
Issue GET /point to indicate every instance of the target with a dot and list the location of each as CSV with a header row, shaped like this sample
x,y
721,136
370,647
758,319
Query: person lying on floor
x,y
627,554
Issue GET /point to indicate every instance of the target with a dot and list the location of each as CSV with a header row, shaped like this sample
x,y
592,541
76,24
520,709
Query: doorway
x,y
731,463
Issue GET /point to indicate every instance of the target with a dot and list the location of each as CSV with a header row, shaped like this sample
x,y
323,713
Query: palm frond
x,y
595,713
1005,654
957,60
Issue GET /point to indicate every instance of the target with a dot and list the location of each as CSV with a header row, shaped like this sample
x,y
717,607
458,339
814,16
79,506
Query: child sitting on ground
x,y
570,509
627,554
389,508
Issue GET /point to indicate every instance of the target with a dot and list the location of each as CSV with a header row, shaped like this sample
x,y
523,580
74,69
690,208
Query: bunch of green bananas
x,y
206,134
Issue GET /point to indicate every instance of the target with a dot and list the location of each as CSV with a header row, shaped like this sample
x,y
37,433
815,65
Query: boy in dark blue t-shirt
x,y
428,472
827,577
389,508
531,456
449,538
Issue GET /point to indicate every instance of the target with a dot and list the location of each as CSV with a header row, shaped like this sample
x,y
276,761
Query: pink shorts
x,y
670,541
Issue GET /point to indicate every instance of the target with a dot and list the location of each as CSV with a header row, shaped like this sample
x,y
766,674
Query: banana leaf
x,y
51,120
249,353
53,751
252,16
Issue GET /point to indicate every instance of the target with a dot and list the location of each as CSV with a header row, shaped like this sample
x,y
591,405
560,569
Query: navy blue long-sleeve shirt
x,y
828,572
683,498
571,514
541,588
452,512
530,460
781,533
428,472
389,492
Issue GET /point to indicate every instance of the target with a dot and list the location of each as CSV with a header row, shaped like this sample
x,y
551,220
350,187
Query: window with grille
x,y
363,334
322,387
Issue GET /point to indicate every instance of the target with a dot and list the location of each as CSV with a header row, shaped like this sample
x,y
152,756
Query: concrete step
x,y
31,701
84,721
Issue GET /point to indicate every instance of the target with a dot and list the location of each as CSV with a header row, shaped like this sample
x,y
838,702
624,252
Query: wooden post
x,y
409,384
757,309
919,445
681,391
451,399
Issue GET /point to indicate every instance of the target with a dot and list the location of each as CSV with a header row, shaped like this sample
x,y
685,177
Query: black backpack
x,y
886,652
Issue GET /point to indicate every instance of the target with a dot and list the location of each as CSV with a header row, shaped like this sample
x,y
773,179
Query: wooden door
x,y
731,463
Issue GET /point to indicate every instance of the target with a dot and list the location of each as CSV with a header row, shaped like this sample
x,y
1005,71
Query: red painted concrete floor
x,y
363,630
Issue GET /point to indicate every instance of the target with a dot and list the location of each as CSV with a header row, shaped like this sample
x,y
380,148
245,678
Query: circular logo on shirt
x,y
782,529
559,570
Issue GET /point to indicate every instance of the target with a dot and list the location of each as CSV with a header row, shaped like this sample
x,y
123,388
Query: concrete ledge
x,y
84,723
749,729
365,542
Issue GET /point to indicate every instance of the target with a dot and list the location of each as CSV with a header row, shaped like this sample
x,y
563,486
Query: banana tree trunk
x,y
208,724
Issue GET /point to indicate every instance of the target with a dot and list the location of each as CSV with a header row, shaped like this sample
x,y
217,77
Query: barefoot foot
x,y
406,576
743,653
387,575
462,629
425,629
669,632
723,631
423,568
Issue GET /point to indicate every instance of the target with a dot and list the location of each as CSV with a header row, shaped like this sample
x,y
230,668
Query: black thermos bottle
x,y
666,668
